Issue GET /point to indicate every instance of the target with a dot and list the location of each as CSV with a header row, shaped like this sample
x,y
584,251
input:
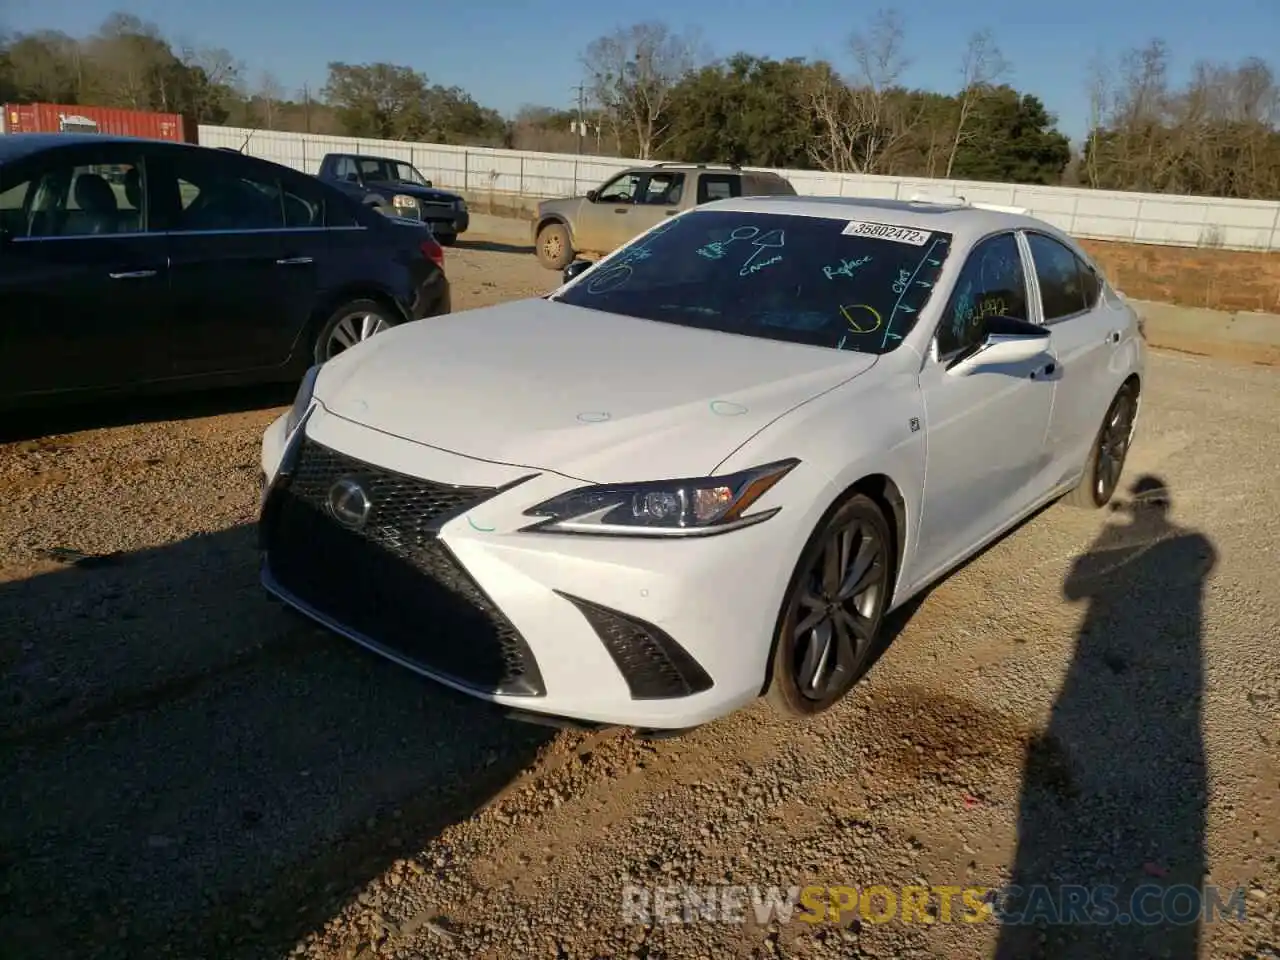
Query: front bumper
x,y
446,219
644,633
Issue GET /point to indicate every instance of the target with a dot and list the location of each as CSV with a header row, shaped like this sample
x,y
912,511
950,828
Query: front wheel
x,y
1107,455
833,611
555,249
351,324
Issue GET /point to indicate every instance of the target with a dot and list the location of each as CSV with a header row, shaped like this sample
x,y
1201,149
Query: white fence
x,y
1095,214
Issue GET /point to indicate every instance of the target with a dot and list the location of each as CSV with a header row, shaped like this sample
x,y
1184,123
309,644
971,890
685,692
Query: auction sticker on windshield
x,y
886,231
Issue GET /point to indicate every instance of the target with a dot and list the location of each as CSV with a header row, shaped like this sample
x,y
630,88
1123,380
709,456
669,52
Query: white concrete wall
x,y
1096,214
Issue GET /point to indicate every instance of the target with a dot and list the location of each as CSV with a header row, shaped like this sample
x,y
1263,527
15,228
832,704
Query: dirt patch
x,y
1192,277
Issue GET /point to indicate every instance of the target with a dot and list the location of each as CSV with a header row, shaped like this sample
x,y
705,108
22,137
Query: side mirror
x,y
592,194
576,268
429,183
1008,342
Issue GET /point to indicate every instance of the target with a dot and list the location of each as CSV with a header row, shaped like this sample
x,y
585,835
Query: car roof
x,y
709,167
16,145
963,221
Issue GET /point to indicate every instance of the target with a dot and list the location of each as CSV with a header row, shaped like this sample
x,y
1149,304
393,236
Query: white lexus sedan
x,y
706,467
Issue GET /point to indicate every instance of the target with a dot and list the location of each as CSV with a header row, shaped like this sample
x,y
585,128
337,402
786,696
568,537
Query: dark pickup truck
x,y
398,188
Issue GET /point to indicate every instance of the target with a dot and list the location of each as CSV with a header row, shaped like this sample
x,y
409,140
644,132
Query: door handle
x,y
620,209
1113,336
132,275
1044,371
672,213
291,261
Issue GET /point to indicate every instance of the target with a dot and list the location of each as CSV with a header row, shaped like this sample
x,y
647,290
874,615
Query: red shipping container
x,y
80,118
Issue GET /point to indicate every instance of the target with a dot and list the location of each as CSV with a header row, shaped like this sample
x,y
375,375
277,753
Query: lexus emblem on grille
x,y
349,503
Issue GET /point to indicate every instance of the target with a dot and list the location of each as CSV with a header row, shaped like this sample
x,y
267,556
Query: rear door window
x,y
718,186
221,194
663,189
1062,292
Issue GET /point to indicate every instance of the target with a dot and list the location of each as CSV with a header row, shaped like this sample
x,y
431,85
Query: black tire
x,y
1105,465
447,239
554,247
854,622
354,314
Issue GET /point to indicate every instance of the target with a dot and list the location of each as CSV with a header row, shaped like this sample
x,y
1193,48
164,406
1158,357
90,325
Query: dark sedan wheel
x,y
1106,458
351,324
832,615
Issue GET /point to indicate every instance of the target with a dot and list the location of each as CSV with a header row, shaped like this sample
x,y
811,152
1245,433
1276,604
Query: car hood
x,y
563,205
594,396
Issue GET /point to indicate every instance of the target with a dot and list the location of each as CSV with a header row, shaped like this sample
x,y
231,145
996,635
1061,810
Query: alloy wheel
x,y
837,609
1113,447
351,330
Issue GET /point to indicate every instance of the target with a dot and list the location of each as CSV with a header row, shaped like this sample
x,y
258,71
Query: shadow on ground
x,y
189,769
1111,829
70,418
493,246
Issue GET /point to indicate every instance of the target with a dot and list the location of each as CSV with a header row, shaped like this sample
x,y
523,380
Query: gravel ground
x,y
187,769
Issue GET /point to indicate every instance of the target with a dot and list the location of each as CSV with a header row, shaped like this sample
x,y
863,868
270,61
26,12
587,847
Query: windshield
x,y
847,285
408,174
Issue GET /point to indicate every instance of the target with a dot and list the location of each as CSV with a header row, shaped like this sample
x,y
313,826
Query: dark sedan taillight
x,y
432,250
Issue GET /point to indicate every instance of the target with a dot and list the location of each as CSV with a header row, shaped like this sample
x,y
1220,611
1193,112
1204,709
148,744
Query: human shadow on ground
x,y
124,411
1112,812
187,769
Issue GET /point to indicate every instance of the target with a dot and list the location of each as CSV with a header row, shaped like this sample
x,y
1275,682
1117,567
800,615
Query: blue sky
x,y
507,52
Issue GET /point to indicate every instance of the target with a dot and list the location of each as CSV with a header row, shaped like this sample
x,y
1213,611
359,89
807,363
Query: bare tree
x,y
862,117
1098,89
831,103
631,74
218,78
982,65
270,94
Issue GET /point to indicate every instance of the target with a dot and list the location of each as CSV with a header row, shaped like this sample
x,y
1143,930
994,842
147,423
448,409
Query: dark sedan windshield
x,y
847,285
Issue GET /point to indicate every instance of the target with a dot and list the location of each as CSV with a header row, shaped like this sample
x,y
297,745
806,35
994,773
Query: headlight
x,y
695,507
404,202
302,401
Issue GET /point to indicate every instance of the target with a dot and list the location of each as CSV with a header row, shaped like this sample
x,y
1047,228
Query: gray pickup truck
x,y
636,200
397,187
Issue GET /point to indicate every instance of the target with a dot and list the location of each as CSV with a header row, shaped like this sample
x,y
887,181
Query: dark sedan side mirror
x,y
591,195
576,268
429,183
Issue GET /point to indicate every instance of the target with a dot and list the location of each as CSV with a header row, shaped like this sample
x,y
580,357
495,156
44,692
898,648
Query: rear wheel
x,y
351,324
447,239
833,611
1106,458
555,249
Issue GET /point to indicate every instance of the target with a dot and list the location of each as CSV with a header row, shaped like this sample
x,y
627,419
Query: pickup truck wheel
x,y
555,250
352,323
